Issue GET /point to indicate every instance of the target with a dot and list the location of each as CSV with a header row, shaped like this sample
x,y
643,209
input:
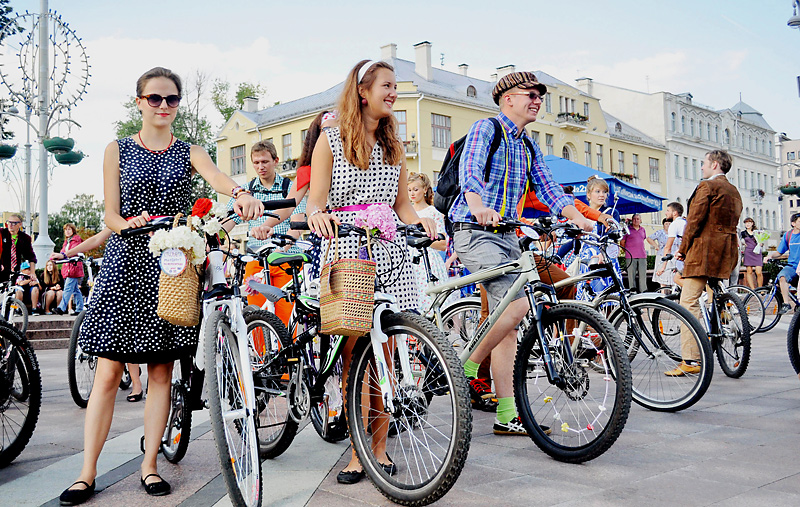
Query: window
x,y
708,131
548,103
771,188
238,163
621,166
654,176
716,133
752,180
587,154
774,221
739,178
548,138
759,181
618,128
635,165
440,126
586,109
683,124
402,128
691,127
694,168
790,155
700,128
726,136
763,147
303,134
796,172
686,168
770,148
677,167
535,136
750,143
286,140
471,91
565,153
435,179
599,157
572,105
673,122
561,104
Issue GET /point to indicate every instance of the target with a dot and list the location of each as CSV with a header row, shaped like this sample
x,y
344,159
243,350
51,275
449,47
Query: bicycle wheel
x,y
753,305
733,344
655,325
792,345
591,407
126,380
275,427
460,321
772,306
176,437
20,393
81,367
17,315
328,417
234,430
432,443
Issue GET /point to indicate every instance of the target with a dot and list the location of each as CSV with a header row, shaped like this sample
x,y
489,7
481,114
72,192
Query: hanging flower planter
x,y
69,158
59,144
790,190
7,151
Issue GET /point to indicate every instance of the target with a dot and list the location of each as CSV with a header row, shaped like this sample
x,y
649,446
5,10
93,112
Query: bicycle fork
x,y
538,310
385,304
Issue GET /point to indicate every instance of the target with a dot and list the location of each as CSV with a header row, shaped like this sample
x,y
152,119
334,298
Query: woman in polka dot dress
x,y
145,175
358,163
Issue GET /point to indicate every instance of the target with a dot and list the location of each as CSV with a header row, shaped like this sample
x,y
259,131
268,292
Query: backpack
x,y
449,187
284,191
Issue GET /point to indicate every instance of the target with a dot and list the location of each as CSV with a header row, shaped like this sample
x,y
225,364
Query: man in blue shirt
x,y
480,245
788,275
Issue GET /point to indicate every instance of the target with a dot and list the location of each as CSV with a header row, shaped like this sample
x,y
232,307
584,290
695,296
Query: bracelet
x,y
317,211
238,190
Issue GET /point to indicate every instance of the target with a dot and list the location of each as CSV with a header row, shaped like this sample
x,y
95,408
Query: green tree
x,y
83,211
227,105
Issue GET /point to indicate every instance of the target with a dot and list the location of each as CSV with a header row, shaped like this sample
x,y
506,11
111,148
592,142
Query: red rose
x,y
201,207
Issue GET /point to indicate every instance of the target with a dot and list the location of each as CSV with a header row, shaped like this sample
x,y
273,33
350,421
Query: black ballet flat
x,y
77,496
159,488
390,468
350,477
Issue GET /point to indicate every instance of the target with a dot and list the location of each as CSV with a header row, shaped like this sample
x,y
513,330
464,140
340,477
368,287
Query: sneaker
x,y
785,308
481,395
58,311
683,369
514,427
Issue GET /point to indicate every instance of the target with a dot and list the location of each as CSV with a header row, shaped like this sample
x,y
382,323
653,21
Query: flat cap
x,y
525,80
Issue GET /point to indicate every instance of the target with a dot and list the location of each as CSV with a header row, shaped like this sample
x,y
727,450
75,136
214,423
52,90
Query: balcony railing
x,y
572,121
411,148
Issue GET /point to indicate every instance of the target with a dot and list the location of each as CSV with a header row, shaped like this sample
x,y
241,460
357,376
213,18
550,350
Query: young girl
x,y
72,273
358,163
53,286
143,175
597,193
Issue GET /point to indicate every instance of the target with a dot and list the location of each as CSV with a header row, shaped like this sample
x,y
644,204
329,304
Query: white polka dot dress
x,y
351,186
121,321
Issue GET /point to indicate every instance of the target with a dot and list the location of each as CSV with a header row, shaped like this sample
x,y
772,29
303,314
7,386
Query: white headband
x,y
363,70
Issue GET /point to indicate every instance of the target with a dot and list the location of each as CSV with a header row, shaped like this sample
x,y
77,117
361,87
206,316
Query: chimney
x,y
586,85
250,105
505,70
463,69
493,78
389,52
422,60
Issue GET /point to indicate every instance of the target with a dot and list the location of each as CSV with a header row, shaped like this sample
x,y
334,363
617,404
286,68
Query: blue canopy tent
x,y
632,198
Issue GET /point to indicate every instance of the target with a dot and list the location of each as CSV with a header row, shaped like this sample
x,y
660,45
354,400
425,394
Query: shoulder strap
x,y
493,148
285,186
250,184
788,236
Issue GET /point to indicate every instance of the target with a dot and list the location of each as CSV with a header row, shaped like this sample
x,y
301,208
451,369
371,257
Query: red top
x,y
303,176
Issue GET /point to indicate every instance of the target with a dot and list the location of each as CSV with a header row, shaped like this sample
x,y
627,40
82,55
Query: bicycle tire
x,y
733,349
20,393
81,367
460,321
235,437
753,305
772,306
792,345
540,403
274,426
657,322
335,428
17,315
431,447
178,431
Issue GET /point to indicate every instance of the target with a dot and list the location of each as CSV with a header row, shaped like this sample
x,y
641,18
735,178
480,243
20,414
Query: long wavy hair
x,y
311,140
351,123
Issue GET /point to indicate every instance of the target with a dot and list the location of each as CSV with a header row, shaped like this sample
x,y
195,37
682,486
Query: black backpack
x,y
285,184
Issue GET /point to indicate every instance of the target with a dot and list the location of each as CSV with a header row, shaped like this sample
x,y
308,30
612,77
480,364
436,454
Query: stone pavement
x,y
737,446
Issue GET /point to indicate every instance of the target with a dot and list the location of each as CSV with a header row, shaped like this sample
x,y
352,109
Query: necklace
x,y
171,137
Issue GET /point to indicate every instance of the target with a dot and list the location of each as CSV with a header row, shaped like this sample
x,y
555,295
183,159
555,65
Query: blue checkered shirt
x,y
263,193
513,155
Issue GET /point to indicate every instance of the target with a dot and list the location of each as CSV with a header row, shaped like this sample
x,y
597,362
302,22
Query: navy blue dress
x,y
121,321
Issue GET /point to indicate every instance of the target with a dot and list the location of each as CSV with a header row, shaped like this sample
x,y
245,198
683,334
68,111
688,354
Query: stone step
x,y
36,322
41,334
50,343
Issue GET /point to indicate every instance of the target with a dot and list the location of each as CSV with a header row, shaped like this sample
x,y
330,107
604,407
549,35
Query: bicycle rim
x,y
733,344
772,305
234,431
432,416
792,345
752,304
17,315
586,415
81,367
657,324
460,322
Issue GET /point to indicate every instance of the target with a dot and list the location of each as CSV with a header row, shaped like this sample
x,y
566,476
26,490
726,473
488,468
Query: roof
x,y
628,133
748,114
306,105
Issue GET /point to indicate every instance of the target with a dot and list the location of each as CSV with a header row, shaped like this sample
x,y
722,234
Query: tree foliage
x,y
227,105
83,211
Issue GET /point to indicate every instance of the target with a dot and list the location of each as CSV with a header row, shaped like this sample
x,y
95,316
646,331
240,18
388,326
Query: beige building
x,y
789,160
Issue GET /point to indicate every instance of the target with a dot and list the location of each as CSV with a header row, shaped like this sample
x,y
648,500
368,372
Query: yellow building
x,y
435,107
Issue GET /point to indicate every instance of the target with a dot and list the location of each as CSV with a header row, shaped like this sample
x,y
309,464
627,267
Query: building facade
x,y
689,130
789,160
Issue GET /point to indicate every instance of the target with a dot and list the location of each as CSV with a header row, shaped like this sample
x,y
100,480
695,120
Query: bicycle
x,y
553,379
404,365
727,326
772,298
753,304
20,392
12,309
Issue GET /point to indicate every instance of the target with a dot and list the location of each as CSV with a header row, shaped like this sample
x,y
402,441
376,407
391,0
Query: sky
x,y
714,49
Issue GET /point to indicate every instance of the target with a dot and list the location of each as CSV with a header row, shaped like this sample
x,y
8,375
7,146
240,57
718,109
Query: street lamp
x,y
794,21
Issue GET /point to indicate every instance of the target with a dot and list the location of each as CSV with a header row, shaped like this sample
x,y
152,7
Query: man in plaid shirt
x,y
480,245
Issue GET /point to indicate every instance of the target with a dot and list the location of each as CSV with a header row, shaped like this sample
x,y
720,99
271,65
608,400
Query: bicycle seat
x,y
274,294
419,241
278,258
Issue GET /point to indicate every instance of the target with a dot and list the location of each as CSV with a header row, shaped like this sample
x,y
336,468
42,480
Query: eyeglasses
x,y
154,100
13,222
530,95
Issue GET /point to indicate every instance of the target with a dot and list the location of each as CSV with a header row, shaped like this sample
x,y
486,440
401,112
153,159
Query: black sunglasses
x,y
12,222
154,100
531,95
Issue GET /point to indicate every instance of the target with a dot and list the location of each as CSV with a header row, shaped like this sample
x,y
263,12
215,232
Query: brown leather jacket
x,y
710,246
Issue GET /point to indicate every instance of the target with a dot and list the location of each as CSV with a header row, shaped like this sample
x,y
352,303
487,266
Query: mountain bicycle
x,y
554,380
403,365
20,392
756,313
772,298
12,310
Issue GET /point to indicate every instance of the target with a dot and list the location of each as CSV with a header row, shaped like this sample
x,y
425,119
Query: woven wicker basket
x,y
347,294
179,296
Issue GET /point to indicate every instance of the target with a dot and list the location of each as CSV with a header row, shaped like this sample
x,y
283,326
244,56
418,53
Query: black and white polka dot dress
x,y
377,184
121,321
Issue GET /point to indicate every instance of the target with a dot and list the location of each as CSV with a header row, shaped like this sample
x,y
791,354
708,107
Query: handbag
x,y
179,295
347,293
757,249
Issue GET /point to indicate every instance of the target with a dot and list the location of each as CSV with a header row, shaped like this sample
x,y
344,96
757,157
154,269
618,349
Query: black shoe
x,y
481,395
159,488
350,477
77,496
389,468
133,398
58,311
785,308
75,314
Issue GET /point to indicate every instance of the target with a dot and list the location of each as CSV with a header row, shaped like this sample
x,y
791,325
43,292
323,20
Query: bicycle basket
x,y
179,293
